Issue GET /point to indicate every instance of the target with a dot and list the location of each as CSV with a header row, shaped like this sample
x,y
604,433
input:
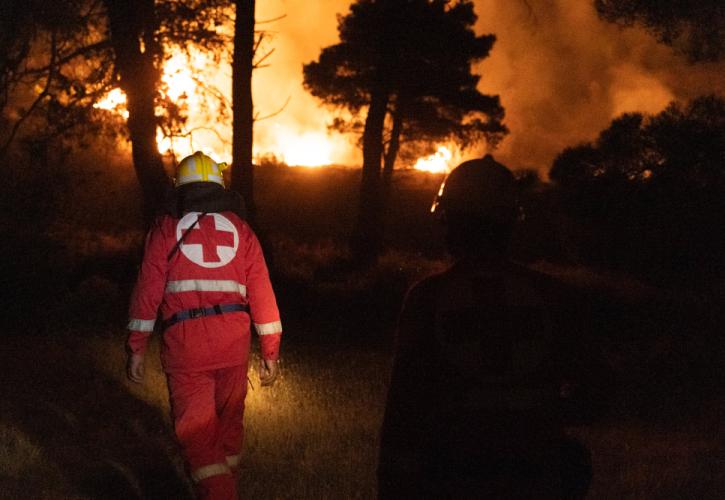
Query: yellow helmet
x,y
199,168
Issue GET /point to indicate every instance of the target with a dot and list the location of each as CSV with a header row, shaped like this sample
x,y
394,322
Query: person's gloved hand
x,y
135,368
268,371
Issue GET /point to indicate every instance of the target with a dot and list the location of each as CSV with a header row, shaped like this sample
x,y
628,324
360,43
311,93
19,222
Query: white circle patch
x,y
213,241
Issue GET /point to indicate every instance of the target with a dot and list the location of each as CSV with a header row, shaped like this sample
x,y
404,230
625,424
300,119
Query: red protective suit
x,y
218,262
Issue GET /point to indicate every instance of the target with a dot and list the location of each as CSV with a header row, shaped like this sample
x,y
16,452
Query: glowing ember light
x,y
178,76
115,101
308,149
437,163
180,85
197,84
182,146
201,87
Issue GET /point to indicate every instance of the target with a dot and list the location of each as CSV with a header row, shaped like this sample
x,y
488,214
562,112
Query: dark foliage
x,y
55,66
60,57
409,60
649,194
422,52
695,28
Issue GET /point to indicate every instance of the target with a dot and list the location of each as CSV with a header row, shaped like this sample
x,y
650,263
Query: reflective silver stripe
x,y
141,325
206,286
233,460
209,470
268,328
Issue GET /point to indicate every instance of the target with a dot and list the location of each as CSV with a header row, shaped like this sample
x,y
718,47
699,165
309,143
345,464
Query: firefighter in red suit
x,y
204,272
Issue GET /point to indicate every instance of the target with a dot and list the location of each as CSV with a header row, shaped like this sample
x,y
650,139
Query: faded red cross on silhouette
x,y
206,234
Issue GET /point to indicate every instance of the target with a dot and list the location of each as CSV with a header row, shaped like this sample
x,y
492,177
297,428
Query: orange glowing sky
x,y
561,73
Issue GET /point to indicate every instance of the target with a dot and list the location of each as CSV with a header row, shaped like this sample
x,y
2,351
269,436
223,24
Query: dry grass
x,y
314,434
26,471
108,356
633,459
315,263
74,432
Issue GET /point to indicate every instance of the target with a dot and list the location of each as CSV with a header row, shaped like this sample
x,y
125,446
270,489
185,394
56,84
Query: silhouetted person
x,y
473,406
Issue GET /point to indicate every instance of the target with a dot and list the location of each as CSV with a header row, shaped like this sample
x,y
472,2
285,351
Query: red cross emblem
x,y
206,234
212,241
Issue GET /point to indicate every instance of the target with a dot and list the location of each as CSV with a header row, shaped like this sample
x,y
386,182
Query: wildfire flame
x,y
178,77
437,163
210,130
115,101
306,149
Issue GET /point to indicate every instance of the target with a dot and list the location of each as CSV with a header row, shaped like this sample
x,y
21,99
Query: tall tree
x,y
77,50
438,99
133,27
695,28
138,31
55,64
410,60
242,104
16,34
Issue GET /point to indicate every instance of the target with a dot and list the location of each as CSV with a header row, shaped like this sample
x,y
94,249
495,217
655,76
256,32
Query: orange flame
x,y
115,101
208,129
440,162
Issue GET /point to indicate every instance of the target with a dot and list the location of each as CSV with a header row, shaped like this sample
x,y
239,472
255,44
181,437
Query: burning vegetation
x,y
614,131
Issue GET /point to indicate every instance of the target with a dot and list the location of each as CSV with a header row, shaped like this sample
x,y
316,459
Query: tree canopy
x,y
695,28
408,65
65,48
55,65
423,52
649,193
61,57
684,145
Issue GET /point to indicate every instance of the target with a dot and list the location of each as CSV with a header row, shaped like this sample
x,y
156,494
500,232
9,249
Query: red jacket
x,y
219,262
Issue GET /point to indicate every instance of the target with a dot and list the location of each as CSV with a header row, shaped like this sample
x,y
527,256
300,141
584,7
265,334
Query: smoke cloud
x,y
296,38
562,75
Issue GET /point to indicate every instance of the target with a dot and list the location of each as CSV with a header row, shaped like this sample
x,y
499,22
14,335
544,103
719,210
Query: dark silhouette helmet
x,y
482,188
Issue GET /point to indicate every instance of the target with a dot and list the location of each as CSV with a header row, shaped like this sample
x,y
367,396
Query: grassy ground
x,y
315,435
71,431
71,426
634,459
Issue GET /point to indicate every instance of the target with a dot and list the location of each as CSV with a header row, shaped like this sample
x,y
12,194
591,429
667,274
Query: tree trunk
x,y
366,241
242,105
133,28
393,147
389,159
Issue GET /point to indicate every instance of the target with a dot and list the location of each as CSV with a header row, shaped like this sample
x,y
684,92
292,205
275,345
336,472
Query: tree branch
x,y
259,64
43,94
189,133
273,20
257,118
77,53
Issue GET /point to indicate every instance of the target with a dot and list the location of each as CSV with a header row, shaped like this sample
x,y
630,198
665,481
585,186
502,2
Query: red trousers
x,y
208,411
